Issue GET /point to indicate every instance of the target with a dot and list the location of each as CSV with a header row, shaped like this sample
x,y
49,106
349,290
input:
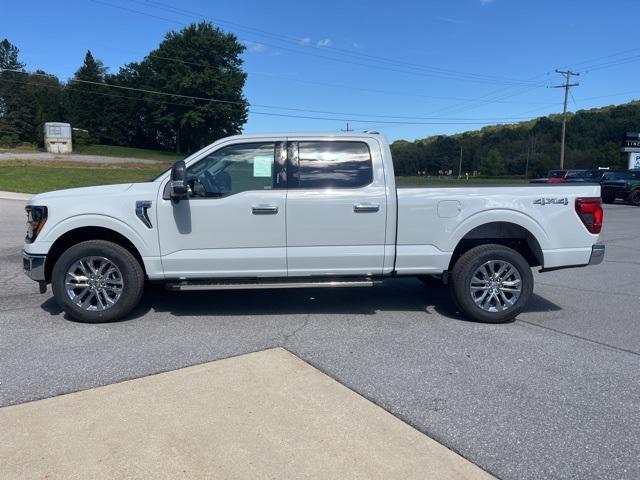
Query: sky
x,y
409,69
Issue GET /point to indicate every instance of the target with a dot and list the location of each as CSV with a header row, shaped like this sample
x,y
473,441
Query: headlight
x,y
36,218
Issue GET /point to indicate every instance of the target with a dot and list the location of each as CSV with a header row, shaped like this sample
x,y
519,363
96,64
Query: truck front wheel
x,y
634,198
491,283
97,281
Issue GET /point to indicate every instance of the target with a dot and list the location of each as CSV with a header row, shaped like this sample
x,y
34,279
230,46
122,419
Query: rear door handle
x,y
366,207
264,209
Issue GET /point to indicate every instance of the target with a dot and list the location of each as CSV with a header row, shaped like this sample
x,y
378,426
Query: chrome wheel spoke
x,y
94,283
86,303
495,286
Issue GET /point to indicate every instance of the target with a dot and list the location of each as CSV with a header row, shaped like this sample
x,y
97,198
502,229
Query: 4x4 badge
x,y
551,201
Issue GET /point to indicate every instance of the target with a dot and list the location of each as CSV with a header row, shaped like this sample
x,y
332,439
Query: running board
x,y
270,283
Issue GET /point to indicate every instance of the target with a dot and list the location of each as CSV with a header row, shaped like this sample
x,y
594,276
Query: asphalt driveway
x,y
555,394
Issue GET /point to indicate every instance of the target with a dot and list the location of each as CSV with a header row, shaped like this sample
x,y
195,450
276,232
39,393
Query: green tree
x,y
198,61
14,113
45,95
593,140
492,165
88,100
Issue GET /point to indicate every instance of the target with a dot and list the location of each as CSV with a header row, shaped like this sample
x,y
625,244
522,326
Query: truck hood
x,y
93,192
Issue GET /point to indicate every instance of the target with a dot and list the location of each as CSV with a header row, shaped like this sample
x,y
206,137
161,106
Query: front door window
x,y
233,169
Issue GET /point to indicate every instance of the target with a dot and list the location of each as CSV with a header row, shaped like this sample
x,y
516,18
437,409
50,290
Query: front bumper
x,y
597,255
33,266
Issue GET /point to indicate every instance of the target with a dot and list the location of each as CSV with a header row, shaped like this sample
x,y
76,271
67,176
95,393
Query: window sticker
x,y
262,166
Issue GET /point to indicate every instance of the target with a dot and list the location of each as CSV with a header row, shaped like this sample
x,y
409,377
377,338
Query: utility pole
x,y
460,164
347,129
567,85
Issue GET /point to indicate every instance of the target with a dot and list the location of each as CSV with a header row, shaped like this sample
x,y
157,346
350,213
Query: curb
x,y
15,196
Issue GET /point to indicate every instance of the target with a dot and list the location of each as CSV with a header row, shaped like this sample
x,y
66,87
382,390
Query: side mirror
x,y
178,180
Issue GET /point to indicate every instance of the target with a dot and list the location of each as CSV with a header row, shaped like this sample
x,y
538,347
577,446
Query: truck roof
x,y
353,134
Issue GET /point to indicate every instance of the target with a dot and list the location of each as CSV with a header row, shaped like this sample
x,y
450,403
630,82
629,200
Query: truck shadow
x,y
397,295
401,295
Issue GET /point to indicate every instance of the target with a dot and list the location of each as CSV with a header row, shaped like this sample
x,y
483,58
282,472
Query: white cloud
x,y
305,41
486,2
325,42
254,47
455,21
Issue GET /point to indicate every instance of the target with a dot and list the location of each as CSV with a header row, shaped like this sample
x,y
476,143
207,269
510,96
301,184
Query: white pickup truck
x,y
303,210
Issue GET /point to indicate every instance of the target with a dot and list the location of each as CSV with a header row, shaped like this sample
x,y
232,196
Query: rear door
x,y
336,207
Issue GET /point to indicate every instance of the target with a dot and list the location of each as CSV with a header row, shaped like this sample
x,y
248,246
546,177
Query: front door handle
x,y
366,207
264,209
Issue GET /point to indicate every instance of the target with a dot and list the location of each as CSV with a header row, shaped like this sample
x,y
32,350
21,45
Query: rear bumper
x,y
578,260
33,266
597,255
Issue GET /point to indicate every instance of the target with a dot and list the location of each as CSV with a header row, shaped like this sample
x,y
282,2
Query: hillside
x,y
593,139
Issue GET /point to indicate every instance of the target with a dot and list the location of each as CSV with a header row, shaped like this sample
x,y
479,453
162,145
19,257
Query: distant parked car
x,y
554,176
621,184
584,176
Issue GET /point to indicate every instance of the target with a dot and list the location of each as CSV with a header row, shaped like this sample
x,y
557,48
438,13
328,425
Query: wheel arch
x,y
508,234
81,234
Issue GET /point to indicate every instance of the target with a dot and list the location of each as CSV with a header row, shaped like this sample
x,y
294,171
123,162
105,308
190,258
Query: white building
x,y
631,146
57,137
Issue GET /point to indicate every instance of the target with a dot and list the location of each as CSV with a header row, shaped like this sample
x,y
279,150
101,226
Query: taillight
x,y
589,209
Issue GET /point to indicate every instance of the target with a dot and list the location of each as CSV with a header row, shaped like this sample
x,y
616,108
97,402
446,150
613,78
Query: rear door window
x,y
333,165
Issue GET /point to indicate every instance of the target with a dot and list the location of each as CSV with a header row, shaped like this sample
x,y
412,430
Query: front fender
x,y
145,246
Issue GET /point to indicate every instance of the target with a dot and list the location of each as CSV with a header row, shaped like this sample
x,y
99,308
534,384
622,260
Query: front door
x,y
233,222
336,208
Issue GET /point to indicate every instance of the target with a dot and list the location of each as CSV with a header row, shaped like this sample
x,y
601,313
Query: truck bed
x,y
432,220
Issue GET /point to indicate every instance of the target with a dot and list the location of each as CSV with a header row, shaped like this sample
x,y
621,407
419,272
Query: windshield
x,y
557,173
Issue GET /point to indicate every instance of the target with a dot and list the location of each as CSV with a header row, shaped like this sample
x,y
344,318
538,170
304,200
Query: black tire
x,y
634,198
431,281
466,267
608,198
129,268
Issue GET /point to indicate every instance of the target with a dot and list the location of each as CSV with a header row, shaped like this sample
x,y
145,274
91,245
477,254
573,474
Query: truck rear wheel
x,y
97,281
491,283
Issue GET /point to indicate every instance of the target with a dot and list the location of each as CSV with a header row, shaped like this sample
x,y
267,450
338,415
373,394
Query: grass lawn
x,y
114,151
37,177
455,181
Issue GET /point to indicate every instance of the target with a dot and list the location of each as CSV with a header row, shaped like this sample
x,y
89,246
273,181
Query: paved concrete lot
x,y
261,415
555,394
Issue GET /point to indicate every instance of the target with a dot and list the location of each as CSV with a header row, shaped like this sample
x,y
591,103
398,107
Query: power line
x,y
502,97
307,117
573,99
603,57
449,75
213,100
333,85
610,95
341,51
613,63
